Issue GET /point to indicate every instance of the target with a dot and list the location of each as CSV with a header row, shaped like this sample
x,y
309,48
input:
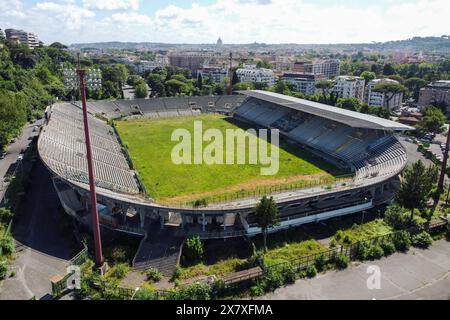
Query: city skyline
x,y
235,21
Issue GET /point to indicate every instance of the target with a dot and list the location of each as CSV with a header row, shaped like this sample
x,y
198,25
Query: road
x,y
14,149
416,275
44,244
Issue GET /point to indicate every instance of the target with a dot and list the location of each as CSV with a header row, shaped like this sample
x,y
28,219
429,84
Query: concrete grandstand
x,y
362,144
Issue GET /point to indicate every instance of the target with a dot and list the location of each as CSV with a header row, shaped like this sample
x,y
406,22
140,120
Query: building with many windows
x,y
379,99
19,36
191,61
303,82
330,68
251,74
437,92
349,87
214,73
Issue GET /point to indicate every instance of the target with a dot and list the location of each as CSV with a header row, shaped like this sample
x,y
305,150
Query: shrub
x,y
320,263
118,254
196,291
396,217
422,240
3,269
388,247
341,261
375,252
363,251
176,273
289,274
311,271
402,241
339,235
193,249
153,274
146,294
257,290
5,214
273,279
119,271
7,244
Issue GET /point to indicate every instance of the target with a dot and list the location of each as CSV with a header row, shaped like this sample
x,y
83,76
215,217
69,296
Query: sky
x,y
235,21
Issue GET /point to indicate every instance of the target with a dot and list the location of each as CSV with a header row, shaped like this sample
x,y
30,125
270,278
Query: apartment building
x,y
303,82
387,100
215,73
250,74
191,61
19,36
437,92
349,87
330,68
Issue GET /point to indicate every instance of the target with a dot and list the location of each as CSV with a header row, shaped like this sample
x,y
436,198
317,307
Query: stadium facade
x,y
362,144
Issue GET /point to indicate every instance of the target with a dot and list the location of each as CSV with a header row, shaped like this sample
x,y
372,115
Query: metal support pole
x,y
94,212
444,162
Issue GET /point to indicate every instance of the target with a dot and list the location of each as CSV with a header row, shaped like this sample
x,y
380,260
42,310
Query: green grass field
x,y
150,146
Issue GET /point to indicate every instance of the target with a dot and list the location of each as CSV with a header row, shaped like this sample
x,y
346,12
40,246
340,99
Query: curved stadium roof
x,y
351,118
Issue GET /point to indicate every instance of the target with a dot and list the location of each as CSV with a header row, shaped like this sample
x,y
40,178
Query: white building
x,y
349,87
330,68
215,73
379,99
303,82
27,38
257,75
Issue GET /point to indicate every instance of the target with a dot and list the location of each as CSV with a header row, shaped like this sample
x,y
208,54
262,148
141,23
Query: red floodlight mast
x,y
95,220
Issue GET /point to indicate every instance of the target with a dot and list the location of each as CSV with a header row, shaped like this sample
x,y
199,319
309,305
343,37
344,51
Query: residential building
x,y
190,61
437,92
330,68
349,87
144,65
257,75
303,82
215,73
387,100
19,36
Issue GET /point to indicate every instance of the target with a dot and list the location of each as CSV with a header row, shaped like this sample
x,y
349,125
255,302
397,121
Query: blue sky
x,y
236,21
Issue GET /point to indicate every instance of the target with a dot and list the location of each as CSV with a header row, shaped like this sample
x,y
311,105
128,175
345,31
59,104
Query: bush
x,y
289,274
375,252
422,240
3,269
146,294
341,261
257,290
153,274
7,244
193,249
311,271
396,216
320,263
402,241
118,255
363,251
196,291
119,271
5,215
388,247
176,273
273,279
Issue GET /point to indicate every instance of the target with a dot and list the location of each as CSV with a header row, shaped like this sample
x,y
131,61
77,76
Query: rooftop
x,y
351,118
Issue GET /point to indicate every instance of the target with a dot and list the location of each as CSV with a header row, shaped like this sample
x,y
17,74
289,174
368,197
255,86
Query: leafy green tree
x,y
414,85
156,85
194,249
389,89
243,86
368,75
2,36
140,90
433,120
325,86
352,104
388,69
282,87
416,185
267,216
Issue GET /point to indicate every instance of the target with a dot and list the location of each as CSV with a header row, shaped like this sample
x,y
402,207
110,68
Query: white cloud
x,y
236,21
111,4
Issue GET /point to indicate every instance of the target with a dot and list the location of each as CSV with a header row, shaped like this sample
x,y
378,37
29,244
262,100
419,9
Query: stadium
x,y
333,162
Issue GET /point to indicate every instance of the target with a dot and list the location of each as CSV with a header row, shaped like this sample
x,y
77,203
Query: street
x,y
418,274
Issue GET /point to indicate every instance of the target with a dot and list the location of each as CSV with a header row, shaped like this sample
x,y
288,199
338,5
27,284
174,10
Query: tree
x,y
368,75
156,85
267,216
352,104
193,249
140,90
388,69
200,81
389,90
414,85
2,36
433,120
282,87
416,185
325,86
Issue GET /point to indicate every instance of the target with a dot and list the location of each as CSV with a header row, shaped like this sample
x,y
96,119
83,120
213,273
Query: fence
x,y
328,182
350,251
